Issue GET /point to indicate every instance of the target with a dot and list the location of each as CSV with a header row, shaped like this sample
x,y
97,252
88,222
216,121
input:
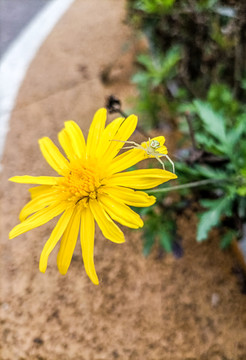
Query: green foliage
x,y
157,229
241,190
221,99
194,76
157,70
150,108
217,165
227,238
212,217
222,141
213,122
154,6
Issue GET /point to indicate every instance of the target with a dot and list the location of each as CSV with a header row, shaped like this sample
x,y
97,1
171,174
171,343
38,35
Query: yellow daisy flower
x,y
91,187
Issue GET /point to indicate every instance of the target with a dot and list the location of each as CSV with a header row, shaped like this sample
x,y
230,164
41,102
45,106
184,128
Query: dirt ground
x,y
144,308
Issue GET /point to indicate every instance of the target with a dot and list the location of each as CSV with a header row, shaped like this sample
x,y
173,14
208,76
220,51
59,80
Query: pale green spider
x,y
153,148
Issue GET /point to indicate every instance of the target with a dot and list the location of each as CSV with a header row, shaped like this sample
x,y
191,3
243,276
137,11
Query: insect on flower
x,y
153,148
92,186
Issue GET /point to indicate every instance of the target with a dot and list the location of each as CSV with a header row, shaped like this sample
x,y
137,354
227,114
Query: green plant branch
x,y
186,186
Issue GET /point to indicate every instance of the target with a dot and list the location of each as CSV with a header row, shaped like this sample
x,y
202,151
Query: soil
x,y
144,308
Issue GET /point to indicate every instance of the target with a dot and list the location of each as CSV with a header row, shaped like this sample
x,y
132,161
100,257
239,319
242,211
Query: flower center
x,y
81,184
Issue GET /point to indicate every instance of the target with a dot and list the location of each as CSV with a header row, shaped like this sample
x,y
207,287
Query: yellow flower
x,y
91,187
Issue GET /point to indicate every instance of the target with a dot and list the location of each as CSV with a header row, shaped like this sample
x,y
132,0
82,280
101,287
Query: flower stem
x,y
185,186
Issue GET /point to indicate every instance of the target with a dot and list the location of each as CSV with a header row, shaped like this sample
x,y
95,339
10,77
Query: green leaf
x,y
242,190
221,98
157,68
210,173
243,84
148,242
147,61
171,58
186,107
166,240
210,144
213,122
141,78
206,4
235,135
212,217
154,6
227,239
242,207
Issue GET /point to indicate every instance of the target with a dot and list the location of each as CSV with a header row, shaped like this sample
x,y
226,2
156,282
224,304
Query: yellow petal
x,y
87,233
129,196
162,150
53,156
38,219
95,132
37,204
40,190
66,144
121,213
107,136
125,130
54,238
109,229
126,160
141,179
68,242
76,138
42,180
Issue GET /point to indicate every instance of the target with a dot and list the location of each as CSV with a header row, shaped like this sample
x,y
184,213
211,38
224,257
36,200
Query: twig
x,y
185,186
192,135
113,105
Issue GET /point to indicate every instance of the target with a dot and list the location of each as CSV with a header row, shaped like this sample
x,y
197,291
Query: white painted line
x,y
17,58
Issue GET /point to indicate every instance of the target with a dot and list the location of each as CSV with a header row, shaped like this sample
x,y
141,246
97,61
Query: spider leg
x,y
168,158
160,161
129,147
142,148
127,142
137,146
133,146
158,155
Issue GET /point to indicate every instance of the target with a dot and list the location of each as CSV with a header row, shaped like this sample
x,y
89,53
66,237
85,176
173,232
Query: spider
x,y
151,148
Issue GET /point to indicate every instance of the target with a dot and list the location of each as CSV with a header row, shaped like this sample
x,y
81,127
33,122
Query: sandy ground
x,y
152,309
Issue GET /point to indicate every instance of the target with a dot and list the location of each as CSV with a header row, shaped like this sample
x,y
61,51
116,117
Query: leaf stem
x,y
185,186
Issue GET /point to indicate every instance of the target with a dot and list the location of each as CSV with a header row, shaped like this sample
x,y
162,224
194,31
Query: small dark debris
x,y
38,341
177,249
54,315
83,69
113,104
76,257
115,354
241,278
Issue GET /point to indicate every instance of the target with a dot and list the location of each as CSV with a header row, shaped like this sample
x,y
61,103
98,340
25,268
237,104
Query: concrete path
x,y
22,43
